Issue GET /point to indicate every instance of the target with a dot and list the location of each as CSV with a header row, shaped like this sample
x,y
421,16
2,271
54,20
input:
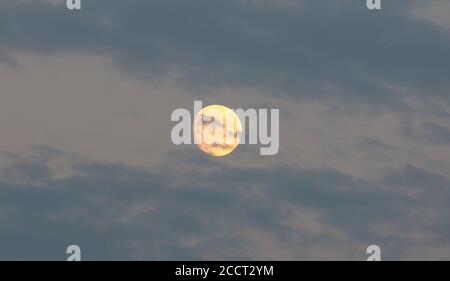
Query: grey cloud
x,y
28,169
427,131
8,60
119,212
192,207
320,49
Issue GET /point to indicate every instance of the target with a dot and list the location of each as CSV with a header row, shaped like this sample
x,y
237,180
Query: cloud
x,y
8,60
433,11
364,137
307,52
118,212
427,131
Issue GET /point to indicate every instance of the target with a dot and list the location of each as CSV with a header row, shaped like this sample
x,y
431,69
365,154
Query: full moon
x,y
217,129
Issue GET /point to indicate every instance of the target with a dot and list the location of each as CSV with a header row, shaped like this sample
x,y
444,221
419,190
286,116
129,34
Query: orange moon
x,y
217,129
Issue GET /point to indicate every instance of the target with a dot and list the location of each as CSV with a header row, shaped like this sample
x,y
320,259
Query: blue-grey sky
x,y
85,150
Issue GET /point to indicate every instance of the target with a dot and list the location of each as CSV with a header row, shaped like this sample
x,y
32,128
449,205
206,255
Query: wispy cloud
x,y
318,50
282,213
365,140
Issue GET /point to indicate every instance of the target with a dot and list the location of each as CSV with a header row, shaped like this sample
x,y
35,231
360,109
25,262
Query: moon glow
x,y
217,130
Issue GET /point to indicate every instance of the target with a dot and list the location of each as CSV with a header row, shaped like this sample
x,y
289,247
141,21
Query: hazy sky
x,y
86,156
